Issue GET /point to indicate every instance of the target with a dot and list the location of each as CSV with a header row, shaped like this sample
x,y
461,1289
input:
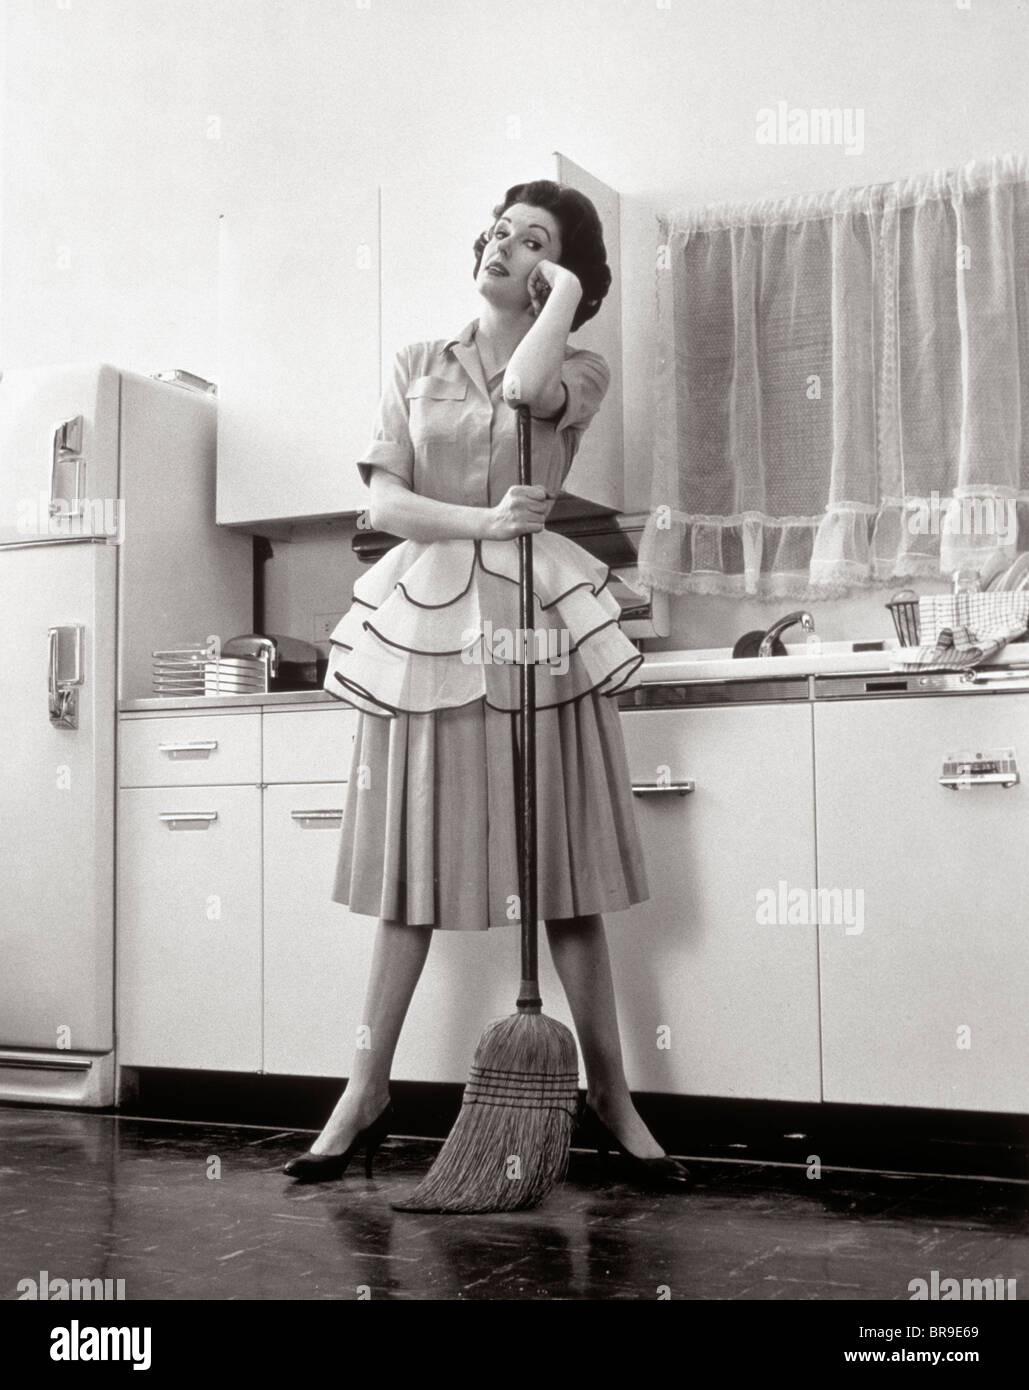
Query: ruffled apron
x,y
429,652
436,625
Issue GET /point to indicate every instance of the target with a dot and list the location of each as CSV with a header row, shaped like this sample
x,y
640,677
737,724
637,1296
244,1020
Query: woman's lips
x,y
496,270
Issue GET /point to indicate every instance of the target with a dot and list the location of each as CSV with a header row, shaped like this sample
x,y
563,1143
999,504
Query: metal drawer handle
x,y
981,779
994,767
190,817
204,746
323,816
651,788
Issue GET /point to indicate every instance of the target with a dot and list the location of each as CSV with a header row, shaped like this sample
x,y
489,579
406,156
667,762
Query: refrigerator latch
x,y
65,674
66,497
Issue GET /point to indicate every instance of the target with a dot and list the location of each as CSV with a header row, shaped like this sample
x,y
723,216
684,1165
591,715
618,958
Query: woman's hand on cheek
x,y
543,278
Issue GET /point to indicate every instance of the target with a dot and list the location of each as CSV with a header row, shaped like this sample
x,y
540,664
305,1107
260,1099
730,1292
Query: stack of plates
x,y
190,671
236,675
179,672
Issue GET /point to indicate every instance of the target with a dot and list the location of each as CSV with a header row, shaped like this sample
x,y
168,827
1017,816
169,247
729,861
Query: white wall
x,y
129,125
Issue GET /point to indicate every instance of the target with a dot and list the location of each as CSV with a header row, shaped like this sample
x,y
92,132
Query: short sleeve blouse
x,y
449,434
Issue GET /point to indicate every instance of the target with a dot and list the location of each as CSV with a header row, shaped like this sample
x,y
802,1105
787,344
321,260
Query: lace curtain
x,y
842,387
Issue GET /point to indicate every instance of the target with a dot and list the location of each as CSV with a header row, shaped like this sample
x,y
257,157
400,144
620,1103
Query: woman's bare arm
x,y
533,375
395,508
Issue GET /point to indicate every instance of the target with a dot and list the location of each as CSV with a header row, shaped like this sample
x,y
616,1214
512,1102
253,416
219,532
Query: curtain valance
x,y
842,386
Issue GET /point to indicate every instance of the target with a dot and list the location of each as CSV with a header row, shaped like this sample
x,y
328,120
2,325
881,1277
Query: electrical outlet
x,y
324,624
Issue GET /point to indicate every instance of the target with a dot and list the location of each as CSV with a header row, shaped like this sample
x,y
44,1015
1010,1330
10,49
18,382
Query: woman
x,y
429,829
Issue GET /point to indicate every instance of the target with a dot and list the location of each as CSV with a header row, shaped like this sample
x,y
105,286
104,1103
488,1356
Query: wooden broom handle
x,y
529,1000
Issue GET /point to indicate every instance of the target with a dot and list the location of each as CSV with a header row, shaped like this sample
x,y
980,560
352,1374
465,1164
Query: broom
x,y
509,1144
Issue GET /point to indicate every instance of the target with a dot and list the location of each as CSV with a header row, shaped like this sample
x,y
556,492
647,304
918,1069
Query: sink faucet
x,y
805,619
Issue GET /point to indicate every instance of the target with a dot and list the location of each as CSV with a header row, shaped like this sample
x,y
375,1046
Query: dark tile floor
x,y
185,1210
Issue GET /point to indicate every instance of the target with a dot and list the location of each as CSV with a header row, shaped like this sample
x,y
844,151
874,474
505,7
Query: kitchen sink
x,y
801,659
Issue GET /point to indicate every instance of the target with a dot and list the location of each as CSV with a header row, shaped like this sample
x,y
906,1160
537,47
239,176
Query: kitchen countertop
x,y
661,667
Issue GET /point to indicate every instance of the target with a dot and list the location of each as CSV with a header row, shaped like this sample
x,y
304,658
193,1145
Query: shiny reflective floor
x,y
182,1210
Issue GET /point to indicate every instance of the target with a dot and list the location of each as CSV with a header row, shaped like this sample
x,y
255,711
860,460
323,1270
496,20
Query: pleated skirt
x,y
429,833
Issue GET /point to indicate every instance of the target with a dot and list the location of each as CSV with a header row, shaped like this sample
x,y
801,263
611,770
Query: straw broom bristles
x,y
510,1142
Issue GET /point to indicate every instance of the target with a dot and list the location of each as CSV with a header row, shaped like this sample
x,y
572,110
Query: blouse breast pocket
x,y
436,407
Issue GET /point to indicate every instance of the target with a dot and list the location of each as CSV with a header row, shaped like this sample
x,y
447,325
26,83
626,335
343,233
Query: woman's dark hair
x,y
582,238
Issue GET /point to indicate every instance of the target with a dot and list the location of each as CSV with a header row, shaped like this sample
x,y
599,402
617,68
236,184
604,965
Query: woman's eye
x,y
531,242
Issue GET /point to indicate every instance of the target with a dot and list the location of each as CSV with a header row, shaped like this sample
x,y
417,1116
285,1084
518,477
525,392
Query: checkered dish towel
x,y
962,630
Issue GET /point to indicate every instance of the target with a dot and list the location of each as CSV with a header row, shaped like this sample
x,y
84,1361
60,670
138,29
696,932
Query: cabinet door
x,y
598,473
717,995
299,352
188,979
925,1004
315,957
428,290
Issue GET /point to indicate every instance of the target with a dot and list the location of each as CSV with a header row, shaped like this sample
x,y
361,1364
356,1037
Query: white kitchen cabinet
x,y
299,350
315,957
317,953
888,971
469,980
188,977
428,290
274,980
712,1000
315,301
925,1005
598,473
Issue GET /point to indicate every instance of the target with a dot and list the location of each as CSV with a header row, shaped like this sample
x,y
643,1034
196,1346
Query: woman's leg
x,y
578,947
397,962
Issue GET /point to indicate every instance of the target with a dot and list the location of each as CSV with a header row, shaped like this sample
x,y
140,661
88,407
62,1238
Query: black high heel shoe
x,y
311,1167
662,1174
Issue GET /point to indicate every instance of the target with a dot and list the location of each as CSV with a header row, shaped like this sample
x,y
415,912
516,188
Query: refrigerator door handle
x,y
67,453
64,674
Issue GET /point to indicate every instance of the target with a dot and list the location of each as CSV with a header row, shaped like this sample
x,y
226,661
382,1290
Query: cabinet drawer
x,y
309,745
192,750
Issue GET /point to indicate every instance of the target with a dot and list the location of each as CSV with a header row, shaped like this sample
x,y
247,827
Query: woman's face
x,y
521,237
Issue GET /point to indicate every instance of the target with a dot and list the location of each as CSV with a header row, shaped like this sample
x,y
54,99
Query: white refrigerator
x,y
108,551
